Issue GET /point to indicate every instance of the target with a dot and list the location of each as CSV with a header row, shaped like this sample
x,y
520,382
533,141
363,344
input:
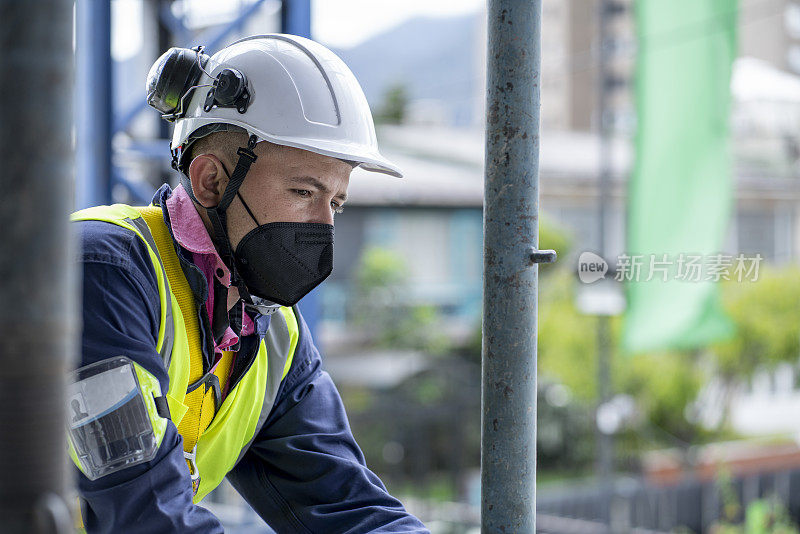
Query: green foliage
x,y
767,318
554,237
768,516
763,516
567,338
565,438
380,308
395,102
731,508
433,418
664,385
381,269
416,328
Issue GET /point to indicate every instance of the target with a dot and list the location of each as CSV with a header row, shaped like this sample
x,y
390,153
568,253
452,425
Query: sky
x,y
346,23
336,23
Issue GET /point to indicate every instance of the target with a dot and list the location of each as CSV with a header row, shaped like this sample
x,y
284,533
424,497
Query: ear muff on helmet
x,y
172,77
229,91
176,73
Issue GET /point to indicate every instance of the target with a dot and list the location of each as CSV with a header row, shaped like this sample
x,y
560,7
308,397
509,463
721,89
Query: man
x,y
195,364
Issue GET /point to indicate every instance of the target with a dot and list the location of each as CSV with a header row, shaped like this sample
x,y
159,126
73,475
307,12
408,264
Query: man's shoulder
x,y
115,268
105,242
111,250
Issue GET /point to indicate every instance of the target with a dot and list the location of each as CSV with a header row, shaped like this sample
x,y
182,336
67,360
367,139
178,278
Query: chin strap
x,y
219,218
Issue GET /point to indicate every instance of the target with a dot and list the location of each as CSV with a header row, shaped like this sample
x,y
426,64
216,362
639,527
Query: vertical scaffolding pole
x,y
36,289
511,236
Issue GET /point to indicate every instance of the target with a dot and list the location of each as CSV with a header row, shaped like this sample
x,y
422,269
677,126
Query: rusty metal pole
x,y
511,255
37,316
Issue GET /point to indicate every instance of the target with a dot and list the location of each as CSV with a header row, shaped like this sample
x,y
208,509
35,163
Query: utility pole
x,y
605,445
37,318
607,81
510,275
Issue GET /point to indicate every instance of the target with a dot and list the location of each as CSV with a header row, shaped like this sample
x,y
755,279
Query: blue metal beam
x,y
93,103
296,17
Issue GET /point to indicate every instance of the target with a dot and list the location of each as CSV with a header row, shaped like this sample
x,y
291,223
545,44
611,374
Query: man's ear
x,y
208,179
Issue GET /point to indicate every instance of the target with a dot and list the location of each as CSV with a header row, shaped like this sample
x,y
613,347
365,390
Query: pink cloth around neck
x,y
191,234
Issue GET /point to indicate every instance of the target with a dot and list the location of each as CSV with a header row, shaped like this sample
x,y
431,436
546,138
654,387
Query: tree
x,y
767,318
395,102
382,310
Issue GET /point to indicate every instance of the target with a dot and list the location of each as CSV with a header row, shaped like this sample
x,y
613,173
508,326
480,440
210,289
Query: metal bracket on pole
x,y
542,256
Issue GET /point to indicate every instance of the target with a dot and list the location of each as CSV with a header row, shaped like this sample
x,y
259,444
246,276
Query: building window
x,y
791,20
756,233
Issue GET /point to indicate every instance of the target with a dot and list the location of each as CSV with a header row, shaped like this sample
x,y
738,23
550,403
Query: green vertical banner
x,y
679,197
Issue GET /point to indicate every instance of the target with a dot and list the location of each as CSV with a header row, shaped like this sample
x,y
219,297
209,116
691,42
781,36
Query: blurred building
x,y
432,218
770,30
570,74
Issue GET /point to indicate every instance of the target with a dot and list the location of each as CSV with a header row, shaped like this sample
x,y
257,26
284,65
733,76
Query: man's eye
x,y
336,207
303,192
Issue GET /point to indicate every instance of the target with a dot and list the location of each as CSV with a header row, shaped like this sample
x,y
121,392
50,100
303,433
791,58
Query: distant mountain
x,y
435,58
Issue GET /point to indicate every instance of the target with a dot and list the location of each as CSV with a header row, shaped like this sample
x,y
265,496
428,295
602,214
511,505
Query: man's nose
x,y
322,213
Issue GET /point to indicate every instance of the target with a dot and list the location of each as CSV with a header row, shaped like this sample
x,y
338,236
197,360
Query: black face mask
x,y
283,261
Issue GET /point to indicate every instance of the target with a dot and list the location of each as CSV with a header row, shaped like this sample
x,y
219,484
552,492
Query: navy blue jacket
x,y
303,473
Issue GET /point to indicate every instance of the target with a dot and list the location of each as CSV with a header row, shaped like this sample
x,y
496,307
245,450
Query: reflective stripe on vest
x,y
223,438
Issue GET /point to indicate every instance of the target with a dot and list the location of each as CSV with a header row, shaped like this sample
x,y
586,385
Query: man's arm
x,y
304,472
121,318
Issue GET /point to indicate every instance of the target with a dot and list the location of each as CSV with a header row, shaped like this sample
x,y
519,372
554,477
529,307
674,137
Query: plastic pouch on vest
x,y
109,425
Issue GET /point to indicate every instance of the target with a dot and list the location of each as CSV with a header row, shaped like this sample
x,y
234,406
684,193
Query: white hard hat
x,y
299,93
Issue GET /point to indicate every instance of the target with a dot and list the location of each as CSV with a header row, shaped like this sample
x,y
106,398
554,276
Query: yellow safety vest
x,y
213,440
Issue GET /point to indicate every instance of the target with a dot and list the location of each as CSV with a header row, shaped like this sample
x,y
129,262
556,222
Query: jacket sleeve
x,y
121,317
304,472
